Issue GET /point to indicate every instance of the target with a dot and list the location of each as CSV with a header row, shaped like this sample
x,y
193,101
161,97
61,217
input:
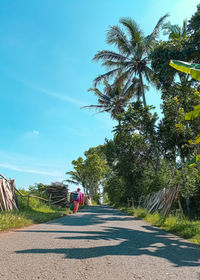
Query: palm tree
x,y
76,178
114,98
131,63
175,31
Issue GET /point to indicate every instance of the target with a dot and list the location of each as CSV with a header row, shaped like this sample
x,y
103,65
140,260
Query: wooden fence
x,y
7,194
57,193
161,201
31,195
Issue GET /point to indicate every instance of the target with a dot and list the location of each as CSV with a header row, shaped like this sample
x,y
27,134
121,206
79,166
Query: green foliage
x,y
140,213
113,99
183,227
163,74
137,168
106,198
192,182
38,190
193,114
16,219
133,155
147,154
114,188
9,220
131,62
91,172
167,176
193,28
174,131
178,46
175,31
36,212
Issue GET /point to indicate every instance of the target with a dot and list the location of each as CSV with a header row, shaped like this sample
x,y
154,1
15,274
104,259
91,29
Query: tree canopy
x,y
147,152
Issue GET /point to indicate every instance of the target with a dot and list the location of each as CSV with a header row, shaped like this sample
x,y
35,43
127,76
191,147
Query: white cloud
x,y
104,118
51,170
32,171
59,95
26,160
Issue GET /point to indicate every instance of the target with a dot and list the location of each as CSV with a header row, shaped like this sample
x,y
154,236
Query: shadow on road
x,y
147,241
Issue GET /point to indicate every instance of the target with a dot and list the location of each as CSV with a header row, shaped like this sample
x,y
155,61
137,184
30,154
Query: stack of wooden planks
x,y
7,194
58,194
161,201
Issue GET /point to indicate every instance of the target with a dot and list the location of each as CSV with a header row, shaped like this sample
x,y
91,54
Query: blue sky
x,y
46,48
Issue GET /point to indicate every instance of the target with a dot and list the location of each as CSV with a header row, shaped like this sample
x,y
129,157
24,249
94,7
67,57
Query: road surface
x,y
99,243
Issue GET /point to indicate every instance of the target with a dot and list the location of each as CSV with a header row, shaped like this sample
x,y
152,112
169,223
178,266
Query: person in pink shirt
x,y
77,198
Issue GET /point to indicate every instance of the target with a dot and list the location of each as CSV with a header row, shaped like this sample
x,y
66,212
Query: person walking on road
x,y
76,198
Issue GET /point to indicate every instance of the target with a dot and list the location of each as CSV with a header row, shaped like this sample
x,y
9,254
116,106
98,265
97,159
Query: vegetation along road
x,y
97,243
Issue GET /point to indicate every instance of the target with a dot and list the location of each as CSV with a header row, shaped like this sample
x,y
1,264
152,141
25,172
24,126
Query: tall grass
x,y
179,225
36,212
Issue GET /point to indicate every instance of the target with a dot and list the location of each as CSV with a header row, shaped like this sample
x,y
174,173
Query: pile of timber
x,y
7,194
58,194
161,201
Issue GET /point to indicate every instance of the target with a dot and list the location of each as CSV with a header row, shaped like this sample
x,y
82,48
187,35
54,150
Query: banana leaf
x,y
191,68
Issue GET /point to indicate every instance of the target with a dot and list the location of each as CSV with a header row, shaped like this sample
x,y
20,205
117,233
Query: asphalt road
x,y
99,243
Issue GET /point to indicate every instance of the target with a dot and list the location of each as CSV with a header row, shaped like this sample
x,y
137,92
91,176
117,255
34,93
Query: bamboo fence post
x,y
180,206
2,196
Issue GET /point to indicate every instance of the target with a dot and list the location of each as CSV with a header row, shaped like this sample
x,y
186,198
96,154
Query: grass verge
x,y
94,203
34,214
178,225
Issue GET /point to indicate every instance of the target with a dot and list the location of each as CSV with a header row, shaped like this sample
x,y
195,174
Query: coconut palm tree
x,y
132,59
175,31
76,178
114,98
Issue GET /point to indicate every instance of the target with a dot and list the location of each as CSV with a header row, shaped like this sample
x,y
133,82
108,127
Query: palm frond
x,y
92,106
109,55
99,108
156,31
126,66
105,110
98,93
128,82
111,64
167,28
121,78
175,31
130,92
148,72
118,38
133,29
108,87
139,51
72,173
184,28
137,88
107,75
71,181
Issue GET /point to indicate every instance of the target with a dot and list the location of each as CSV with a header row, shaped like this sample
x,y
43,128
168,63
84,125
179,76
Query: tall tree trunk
x,y
187,199
142,90
198,152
